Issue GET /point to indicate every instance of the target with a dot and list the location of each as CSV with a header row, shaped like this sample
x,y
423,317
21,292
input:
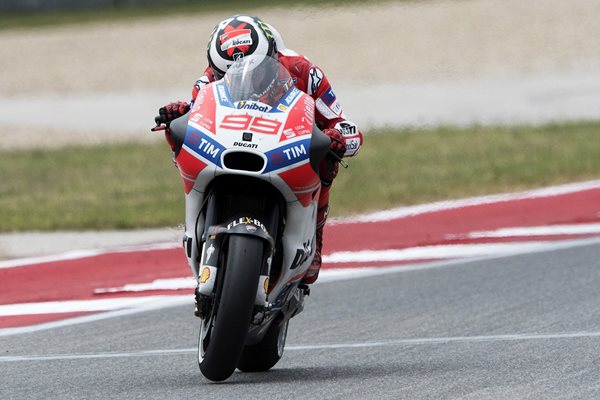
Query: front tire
x,y
223,332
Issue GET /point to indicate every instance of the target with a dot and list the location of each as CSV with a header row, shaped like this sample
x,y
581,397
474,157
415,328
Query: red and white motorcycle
x,y
248,152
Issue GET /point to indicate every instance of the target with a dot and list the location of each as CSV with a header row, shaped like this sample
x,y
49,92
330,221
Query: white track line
x,y
78,254
365,256
71,306
169,301
355,273
157,284
332,346
526,231
434,252
411,211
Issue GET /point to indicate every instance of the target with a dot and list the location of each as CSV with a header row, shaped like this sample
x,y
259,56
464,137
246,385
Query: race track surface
x,y
517,327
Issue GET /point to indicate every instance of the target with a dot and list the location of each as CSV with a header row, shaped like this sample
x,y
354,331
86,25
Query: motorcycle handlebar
x,y
160,119
161,123
338,158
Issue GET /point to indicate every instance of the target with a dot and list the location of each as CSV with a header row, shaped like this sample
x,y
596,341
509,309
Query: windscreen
x,y
258,78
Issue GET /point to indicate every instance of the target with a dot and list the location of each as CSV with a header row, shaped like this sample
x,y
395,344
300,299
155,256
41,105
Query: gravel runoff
x,y
476,61
529,100
400,41
34,244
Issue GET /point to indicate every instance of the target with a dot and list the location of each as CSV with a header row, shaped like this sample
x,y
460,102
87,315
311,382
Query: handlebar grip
x,y
160,119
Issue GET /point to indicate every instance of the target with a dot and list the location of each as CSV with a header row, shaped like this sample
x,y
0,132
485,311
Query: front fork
x,y
210,260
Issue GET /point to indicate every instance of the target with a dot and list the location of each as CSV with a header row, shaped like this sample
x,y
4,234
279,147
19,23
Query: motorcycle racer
x,y
243,35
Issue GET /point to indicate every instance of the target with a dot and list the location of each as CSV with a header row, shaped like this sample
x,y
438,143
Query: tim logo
x,y
290,154
206,148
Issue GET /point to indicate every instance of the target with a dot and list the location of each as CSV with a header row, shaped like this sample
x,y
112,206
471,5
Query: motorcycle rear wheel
x,y
224,330
266,353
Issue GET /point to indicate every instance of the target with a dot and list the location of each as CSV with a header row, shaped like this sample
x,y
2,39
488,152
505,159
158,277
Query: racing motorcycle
x,y
248,152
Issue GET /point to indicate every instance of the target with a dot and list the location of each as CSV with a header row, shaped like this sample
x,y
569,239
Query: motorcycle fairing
x,y
285,146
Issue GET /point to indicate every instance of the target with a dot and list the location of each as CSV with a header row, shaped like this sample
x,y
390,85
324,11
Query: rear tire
x,y
220,349
266,353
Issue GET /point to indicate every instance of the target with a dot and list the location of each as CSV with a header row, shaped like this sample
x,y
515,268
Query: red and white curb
x,y
88,285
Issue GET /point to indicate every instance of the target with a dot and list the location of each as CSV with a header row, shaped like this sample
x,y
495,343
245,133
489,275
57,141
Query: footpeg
x,y
305,289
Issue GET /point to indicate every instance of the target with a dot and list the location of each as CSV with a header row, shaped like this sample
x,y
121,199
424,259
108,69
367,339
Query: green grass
x,y
135,186
181,7
103,187
421,166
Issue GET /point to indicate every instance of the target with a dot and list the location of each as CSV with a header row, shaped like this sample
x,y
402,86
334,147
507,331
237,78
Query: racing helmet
x,y
236,37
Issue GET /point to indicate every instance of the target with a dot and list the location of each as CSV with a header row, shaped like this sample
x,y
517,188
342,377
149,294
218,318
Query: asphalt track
x,y
517,327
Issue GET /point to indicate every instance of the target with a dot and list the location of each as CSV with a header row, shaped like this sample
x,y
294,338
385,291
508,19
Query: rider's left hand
x,y
338,144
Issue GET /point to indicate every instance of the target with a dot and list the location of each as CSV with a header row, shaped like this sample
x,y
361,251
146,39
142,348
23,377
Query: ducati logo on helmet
x,y
239,38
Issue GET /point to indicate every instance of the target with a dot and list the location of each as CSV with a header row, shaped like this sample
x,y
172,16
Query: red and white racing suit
x,y
328,114
310,79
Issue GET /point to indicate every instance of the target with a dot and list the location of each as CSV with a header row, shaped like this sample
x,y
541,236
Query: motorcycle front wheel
x,y
223,331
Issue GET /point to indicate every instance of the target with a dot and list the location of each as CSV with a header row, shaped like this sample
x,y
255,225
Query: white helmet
x,y
237,37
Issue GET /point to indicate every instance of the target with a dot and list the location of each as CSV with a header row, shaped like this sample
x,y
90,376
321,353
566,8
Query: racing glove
x,y
338,144
328,168
172,111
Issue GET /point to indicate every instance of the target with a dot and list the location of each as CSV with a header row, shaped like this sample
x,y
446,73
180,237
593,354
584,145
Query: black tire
x,y
234,311
266,353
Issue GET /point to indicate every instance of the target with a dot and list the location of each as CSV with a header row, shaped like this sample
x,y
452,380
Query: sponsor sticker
x,y
252,224
291,96
223,95
236,38
250,105
287,155
209,252
247,145
347,128
328,97
315,77
301,255
204,145
203,121
205,275
352,146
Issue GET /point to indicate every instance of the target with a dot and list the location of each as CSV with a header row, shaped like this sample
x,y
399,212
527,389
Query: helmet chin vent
x,y
243,161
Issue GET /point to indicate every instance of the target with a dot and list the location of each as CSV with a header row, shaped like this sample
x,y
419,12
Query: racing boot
x,y
313,271
328,169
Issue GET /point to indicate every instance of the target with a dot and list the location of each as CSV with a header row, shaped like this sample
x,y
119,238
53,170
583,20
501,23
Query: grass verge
x,y
135,186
